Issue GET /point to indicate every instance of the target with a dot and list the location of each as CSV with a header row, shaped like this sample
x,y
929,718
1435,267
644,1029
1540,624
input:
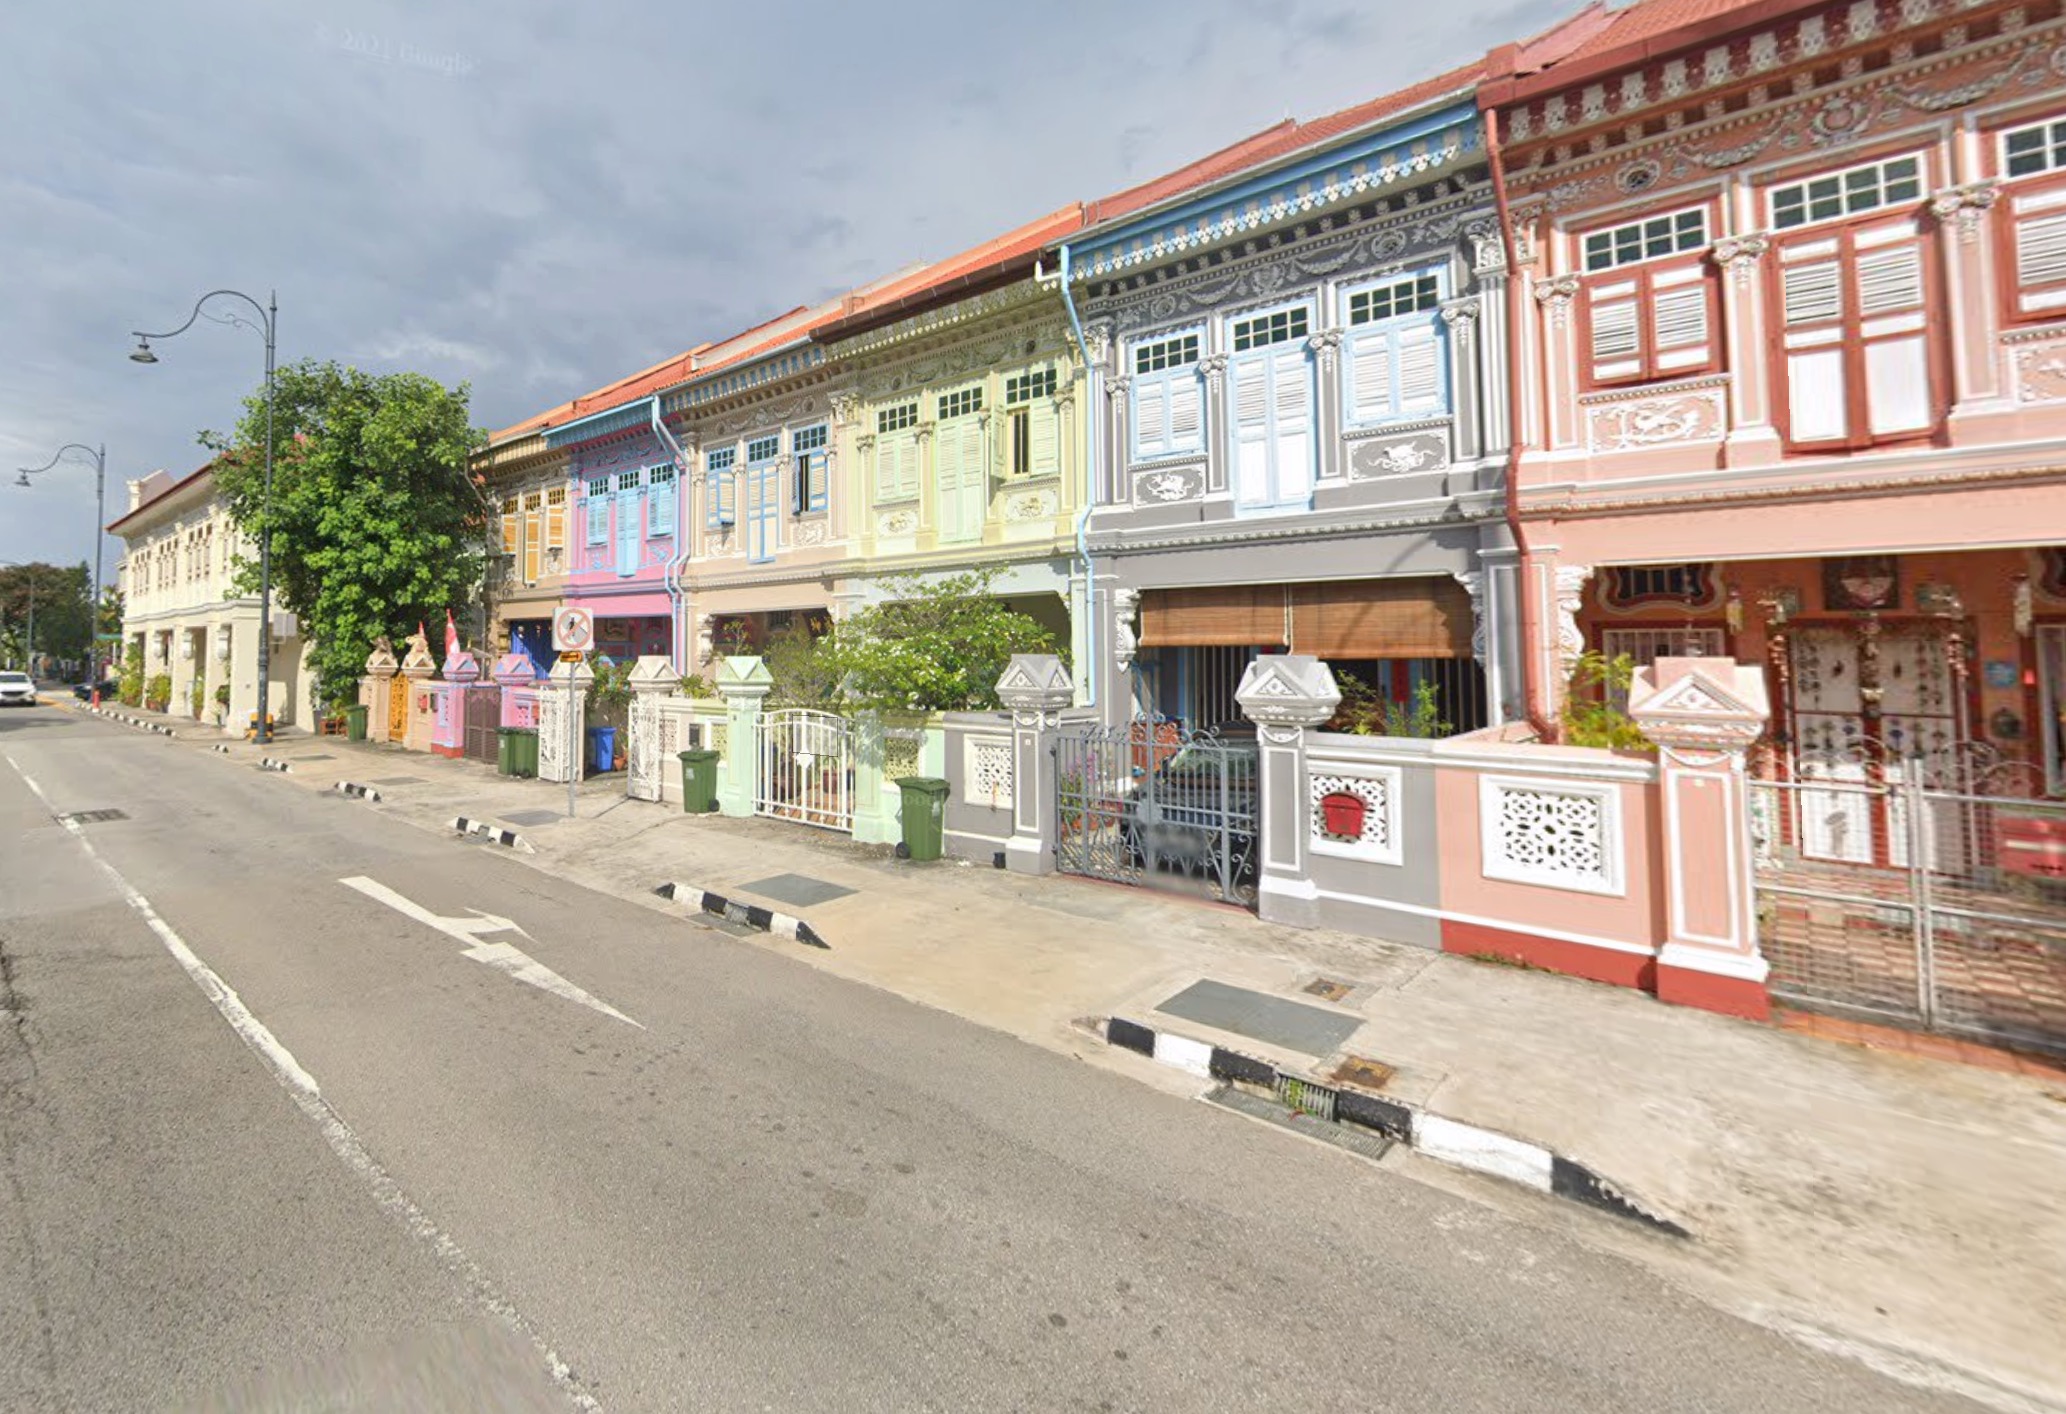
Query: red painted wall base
x,y
451,753
1731,996
1620,969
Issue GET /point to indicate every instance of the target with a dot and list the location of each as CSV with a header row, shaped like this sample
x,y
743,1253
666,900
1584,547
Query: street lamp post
x,y
100,520
268,326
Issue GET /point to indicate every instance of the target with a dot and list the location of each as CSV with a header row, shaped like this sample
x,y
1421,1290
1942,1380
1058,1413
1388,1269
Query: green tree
x,y
377,523
932,646
63,595
804,663
1593,711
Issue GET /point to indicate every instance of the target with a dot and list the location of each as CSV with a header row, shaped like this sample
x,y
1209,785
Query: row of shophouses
x,y
1725,330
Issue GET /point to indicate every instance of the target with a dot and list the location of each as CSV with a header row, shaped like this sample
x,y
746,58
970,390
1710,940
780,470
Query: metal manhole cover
x,y
1364,1073
797,890
1327,989
92,817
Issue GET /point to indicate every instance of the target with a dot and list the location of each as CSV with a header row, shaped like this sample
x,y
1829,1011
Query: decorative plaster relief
x,y
1398,456
1125,636
903,522
1022,506
1692,416
2040,371
987,768
810,532
1167,485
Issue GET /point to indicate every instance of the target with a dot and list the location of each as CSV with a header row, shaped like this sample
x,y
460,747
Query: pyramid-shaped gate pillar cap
x,y
1700,702
574,670
514,669
1288,690
462,667
654,672
1035,682
743,675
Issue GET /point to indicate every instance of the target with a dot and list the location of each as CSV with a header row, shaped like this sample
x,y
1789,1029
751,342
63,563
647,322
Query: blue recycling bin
x,y
602,749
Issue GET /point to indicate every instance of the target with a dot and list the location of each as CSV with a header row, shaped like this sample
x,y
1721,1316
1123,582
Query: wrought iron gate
x,y
1925,891
806,768
1153,803
483,718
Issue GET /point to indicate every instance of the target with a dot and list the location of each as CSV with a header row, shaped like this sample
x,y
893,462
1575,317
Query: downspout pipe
x,y
678,640
1090,480
1516,309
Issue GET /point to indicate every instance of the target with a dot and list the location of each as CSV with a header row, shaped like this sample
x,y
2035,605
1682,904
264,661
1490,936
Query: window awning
x,y
1424,616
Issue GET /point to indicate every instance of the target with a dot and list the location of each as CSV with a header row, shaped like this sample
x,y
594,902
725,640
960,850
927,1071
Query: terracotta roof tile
x,y
1281,140
1026,240
1598,41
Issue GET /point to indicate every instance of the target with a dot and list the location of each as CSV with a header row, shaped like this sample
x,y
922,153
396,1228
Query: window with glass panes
x,y
1394,352
720,498
595,509
1651,238
1031,428
2041,147
1854,333
898,418
660,500
961,402
1852,192
896,453
811,491
1025,387
1278,327
1168,397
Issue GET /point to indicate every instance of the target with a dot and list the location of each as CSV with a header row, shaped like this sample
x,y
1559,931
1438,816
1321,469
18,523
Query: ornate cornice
x,y
1919,483
1007,300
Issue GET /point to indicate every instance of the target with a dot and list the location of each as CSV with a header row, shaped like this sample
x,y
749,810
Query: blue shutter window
x,y
810,492
595,506
763,496
1168,398
660,491
719,507
1395,355
629,495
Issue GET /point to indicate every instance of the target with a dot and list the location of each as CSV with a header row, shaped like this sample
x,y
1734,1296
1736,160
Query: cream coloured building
x,y
177,575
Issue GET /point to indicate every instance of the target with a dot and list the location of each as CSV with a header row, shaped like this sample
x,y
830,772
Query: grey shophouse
x,y
1305,428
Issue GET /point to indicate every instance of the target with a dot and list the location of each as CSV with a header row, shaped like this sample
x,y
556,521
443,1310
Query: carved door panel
x,y
398,708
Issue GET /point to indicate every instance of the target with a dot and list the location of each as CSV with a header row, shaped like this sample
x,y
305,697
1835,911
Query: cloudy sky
x,y
537,197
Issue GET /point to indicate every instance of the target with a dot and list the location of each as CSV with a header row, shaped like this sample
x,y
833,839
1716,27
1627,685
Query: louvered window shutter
x,y
1681,323
1370,375
2040,251
660,506
1186,411
1811,299
1251,378
595,510
1291,374
556,520
1419,351
1151,417
1043,437
512,528
1893,335
534,546
1614,310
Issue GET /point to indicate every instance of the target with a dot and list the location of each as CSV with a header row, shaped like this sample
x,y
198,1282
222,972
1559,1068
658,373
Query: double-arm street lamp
x,y
269,318
100,520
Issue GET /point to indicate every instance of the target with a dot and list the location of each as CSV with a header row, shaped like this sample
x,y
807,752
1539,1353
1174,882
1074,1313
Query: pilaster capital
x,y
1965,206
1555,295
1118,386
1214,367
1739,255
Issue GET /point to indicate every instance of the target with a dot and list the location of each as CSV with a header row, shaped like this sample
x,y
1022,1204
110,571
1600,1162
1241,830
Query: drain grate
x,y
92,817
1353,1138
1327,989
1306,1097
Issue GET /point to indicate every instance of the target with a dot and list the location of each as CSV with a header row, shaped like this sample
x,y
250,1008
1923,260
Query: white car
x,y
16,690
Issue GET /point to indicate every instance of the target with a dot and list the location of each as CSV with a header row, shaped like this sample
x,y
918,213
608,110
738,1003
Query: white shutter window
x,y
1812,293
1680,334
1251,380
1617,336
1291,373
1186,412
1151,418
1370,375
907,467
1890,281
1044,438
2040,218
1419,355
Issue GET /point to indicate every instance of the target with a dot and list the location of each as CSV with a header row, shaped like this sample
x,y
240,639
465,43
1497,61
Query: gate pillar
x,y
1284,694
557,701
652,678
1704,714
381,668
744,683
1034,687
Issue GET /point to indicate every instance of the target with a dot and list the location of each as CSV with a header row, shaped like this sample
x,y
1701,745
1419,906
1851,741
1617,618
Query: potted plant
x,y
222,703
157,693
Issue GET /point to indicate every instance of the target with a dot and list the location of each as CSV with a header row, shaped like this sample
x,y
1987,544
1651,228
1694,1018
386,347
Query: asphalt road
x,y
778,1190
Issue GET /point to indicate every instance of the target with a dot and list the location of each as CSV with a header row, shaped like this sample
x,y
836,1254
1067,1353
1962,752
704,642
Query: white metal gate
x,y
1945,907
806,768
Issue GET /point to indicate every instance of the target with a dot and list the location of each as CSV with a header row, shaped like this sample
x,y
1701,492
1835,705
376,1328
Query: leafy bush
x,y
609,695
197,697
934,646
697,686
1364,712
1592,714
157,693
130,680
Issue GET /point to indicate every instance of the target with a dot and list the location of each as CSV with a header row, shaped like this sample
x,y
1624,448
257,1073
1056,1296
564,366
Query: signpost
x,y
573,632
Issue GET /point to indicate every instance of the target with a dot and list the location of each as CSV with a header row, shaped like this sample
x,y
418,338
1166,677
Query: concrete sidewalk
x,y
1890,1205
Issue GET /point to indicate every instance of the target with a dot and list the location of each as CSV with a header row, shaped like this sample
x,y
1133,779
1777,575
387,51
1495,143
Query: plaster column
x,y
1968,250
1034,688
1752,439
557,701
462,671
652,678
744,683
512,671
1219,474
1704,714
1559,361
1460,318
1325,346
1117,490
1285,694
416,674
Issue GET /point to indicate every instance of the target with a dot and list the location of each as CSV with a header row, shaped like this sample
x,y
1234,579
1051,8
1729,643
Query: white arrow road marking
x,y
501,956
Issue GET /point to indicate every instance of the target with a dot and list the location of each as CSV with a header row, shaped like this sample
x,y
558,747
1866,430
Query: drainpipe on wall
x,y
1516,310
678,636
1090,482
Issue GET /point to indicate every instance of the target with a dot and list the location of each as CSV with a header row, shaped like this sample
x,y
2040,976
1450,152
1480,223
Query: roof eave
x,y
1557,78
